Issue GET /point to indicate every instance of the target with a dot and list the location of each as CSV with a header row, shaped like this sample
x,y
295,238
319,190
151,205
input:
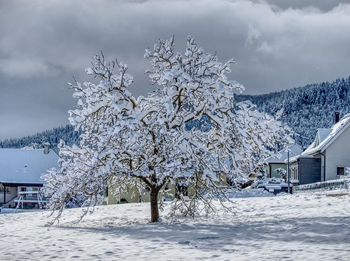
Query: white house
x,y
20,170
328,156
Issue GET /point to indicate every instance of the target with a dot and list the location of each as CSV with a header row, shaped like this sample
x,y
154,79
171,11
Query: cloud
x,y
322,5
25,68
278,44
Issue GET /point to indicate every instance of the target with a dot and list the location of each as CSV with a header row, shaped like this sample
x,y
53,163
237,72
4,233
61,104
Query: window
x,y
294,172
340,171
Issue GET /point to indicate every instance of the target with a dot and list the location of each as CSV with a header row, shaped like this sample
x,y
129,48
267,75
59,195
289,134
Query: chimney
x,y
46,148
336,117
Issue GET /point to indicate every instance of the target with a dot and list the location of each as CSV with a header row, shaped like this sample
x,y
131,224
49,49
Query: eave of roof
x,y
337,130
295,158
25,184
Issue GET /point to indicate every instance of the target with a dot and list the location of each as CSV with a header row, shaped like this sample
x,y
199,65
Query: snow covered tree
x,y
307,108
126,140
282,172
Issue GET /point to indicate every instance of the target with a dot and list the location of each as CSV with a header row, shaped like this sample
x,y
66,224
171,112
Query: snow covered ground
x,y
304,226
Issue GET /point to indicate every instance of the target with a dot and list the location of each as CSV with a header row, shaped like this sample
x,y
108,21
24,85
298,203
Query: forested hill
x,y
306,108
52,136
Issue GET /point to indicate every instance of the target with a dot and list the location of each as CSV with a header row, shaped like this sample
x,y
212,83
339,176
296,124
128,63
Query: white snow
x,y
282,156
25,165
303,226
322,134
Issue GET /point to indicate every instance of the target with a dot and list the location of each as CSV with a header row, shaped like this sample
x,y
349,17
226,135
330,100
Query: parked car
x,y
273,185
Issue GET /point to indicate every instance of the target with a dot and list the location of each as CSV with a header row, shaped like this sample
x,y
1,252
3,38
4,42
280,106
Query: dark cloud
x,y
323,5
278,44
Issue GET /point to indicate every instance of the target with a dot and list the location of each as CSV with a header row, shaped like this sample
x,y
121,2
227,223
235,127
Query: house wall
x,y
309,170
294,171
338,155
11,192
323,162
133,195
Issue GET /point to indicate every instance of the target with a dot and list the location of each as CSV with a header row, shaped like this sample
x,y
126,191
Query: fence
x,y
330,184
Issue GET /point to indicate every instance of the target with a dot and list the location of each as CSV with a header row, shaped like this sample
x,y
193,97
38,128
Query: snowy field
x,y
304,226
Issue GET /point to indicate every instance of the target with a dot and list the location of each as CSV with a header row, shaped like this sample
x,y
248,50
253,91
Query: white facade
x,y
333,147
337,155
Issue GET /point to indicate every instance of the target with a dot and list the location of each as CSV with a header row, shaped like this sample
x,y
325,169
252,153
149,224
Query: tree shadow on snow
x,y
318,230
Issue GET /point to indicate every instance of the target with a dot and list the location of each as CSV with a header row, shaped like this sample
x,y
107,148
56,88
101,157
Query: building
x,y
305,169
168,192
20,170
327,157
278,161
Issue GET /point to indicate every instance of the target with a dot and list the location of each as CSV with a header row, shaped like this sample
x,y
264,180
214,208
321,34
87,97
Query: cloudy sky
x,y
278,44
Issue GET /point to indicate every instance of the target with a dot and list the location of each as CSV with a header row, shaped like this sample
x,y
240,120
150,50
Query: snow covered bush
x,y
138,142
282,172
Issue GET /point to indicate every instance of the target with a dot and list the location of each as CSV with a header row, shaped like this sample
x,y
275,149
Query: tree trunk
x,y
154,205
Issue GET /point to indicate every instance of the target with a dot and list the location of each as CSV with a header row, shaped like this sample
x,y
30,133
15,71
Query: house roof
x,y
25,166
295,158
294,150
320,145
322,134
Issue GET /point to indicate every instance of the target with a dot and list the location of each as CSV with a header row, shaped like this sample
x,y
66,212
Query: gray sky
x,y
278,44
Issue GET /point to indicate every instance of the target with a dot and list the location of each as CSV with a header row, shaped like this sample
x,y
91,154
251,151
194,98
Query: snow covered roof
x,y
322,134
25,166
295,158
294,150
320,145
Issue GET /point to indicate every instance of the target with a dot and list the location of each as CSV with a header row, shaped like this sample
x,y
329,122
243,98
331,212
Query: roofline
x,y
296,158
321,150
26,184
30,149
274,162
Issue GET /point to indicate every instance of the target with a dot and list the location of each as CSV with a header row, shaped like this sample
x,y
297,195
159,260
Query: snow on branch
x,y
132,143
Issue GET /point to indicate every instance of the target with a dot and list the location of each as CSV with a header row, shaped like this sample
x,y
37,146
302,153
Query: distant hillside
x,y
52,136
306,108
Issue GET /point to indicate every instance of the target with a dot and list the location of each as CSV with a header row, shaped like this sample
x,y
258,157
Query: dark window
x,y
340,171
